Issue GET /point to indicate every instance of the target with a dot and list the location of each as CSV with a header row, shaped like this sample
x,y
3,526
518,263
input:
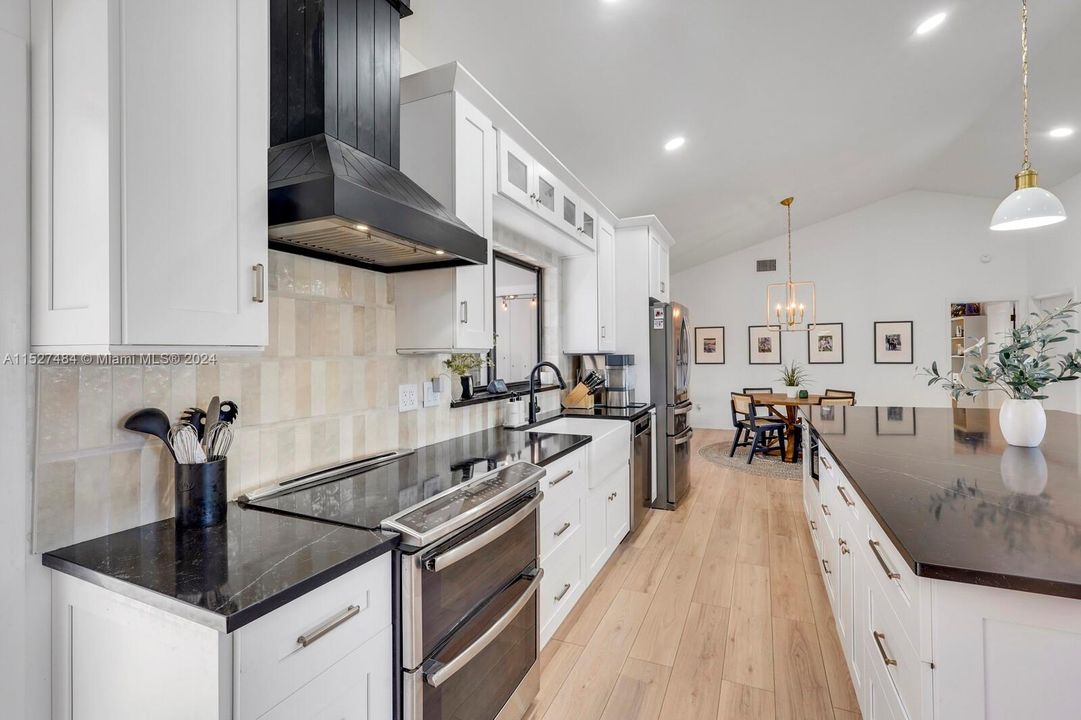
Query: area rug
x,y
717,453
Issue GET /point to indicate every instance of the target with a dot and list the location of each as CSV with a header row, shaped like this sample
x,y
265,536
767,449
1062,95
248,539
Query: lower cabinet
x,y
114,657
582,523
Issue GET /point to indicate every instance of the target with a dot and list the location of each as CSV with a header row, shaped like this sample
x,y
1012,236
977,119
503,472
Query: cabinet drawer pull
x,y
824,461
561,478
602,332
844,496
892,575
563,593
463,312
348,614
844,546
886,659
814,525
259,293
826,509
562,530
826,567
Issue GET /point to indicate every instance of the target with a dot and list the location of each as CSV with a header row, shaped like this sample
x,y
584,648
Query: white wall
x,y
903,258
1055,268
24,583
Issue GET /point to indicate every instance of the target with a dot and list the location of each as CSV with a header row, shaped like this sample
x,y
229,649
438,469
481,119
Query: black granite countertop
x,y
366,498
226,576
958,502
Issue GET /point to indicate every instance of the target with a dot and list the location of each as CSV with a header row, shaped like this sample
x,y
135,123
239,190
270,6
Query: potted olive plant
x,y
793,377
463,365
1021,366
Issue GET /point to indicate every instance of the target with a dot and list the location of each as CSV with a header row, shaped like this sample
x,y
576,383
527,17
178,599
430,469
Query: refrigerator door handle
x,y
683,409
684,438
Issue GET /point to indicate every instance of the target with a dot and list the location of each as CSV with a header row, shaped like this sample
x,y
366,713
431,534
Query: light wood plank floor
x,y
715,611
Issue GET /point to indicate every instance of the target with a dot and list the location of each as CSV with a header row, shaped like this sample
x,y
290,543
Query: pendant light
x,y
1029,206
786,303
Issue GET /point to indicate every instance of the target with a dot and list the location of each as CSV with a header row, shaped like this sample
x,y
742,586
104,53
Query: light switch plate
x,y
431,394
407,398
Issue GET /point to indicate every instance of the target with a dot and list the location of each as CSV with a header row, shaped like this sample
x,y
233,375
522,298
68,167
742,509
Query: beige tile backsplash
x,y
324,391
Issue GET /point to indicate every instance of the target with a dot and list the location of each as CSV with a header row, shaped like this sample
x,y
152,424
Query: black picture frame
x,y
911,354
717,330
750,345
810,355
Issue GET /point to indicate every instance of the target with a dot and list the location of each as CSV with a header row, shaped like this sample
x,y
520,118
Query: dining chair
x,y
752,430
766,409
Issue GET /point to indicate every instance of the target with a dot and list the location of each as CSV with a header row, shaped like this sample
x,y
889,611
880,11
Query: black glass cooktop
x,y
365,499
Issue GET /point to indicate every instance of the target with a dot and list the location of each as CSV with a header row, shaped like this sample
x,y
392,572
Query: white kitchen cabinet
x,y
449,149
618,512
588,322
115,657
533,186
149,174
659,287
607,519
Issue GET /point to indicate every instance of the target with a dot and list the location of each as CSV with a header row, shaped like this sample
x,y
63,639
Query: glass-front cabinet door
x,y
546,193
587,227
570,212
516,171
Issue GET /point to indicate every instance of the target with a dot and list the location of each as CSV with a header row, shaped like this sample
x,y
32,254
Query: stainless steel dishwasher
x,y
641,469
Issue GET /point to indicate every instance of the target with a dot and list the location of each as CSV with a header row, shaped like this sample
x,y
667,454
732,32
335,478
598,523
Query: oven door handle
x,y
443,560
438,673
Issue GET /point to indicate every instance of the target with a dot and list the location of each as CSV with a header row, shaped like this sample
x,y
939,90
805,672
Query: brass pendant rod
x,y
1024,78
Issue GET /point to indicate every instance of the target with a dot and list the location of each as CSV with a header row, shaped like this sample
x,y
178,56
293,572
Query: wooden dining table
x,y
787,409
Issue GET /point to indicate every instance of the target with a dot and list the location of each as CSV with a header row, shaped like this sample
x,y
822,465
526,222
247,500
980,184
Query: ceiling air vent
x,y
766,265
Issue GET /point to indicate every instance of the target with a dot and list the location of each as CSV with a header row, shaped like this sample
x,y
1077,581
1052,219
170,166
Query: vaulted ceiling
x,y
837,103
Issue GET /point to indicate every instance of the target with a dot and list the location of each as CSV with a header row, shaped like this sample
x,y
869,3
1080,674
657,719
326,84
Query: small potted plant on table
x,y
463,365
1020,366
793,377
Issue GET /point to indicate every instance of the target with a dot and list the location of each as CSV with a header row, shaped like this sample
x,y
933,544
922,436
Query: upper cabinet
x,y
530,185
588,322
449,149
658,267
150,137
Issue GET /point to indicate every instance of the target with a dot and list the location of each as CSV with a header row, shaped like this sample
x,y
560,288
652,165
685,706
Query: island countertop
x,y
957,501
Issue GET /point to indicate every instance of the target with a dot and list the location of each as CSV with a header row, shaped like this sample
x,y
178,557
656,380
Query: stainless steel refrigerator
x,y
669,375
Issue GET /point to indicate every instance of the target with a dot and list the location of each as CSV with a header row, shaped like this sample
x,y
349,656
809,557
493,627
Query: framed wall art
x,y
893,342
764,345
826,344
895,420
709,345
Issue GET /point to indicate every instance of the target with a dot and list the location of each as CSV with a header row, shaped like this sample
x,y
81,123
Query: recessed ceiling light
x,y
675,143
362,228
930,23
1061,132
440,252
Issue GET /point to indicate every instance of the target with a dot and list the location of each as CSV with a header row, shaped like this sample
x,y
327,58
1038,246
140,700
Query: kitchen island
x,y
952,560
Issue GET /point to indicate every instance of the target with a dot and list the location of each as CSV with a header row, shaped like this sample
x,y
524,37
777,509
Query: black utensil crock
x,y
201,494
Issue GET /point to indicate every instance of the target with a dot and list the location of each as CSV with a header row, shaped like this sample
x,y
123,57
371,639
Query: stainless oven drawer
x,y
488,667
447,583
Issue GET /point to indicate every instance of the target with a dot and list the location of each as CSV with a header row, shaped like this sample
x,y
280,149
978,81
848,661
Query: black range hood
x,y
335,188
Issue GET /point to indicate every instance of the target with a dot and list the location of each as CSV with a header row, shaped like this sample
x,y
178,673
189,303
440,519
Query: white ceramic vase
x,y
791,391
1023,422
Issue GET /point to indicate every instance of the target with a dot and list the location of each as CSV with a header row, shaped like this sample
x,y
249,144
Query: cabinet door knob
x,y
259,291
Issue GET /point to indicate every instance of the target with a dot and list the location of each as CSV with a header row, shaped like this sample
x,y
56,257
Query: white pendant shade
x,y
1030,207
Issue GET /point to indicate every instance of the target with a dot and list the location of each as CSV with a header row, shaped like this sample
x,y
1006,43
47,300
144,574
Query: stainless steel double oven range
x,y
470,630
466,571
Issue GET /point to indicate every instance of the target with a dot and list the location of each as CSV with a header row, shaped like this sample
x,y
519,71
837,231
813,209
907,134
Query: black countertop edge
x,y
209,618
1037,586
483,396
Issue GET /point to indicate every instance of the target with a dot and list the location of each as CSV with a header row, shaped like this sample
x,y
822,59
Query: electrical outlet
x,y
431,394
407,398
